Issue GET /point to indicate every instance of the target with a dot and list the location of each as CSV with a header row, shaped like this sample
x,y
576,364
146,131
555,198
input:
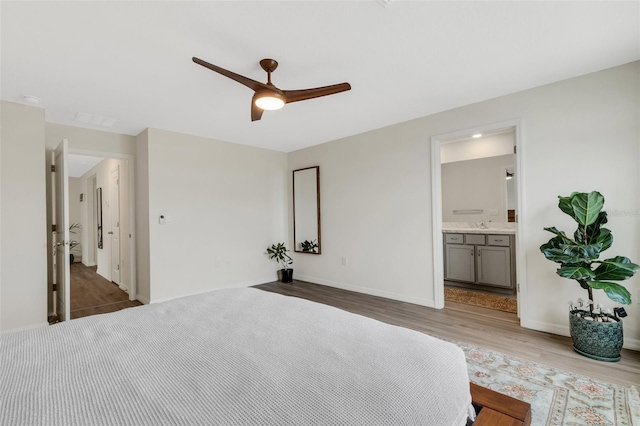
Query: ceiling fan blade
x,y
256,112
301,95
251,84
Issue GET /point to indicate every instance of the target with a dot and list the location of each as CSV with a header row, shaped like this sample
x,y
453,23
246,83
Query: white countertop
x,y
501,231
476,228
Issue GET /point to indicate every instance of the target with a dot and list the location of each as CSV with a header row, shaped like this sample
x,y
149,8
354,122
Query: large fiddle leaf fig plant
x,y
579,256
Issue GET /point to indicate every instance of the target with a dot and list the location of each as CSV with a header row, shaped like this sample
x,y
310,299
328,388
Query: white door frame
x,y
111,232
436,216
133,289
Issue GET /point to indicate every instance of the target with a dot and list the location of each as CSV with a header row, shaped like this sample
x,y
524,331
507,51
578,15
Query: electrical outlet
x,y
345,261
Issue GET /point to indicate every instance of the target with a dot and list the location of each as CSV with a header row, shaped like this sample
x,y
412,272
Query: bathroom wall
x,y
480,185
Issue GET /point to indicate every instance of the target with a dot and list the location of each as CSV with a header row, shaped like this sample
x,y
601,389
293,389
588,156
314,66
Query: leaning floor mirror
x,y
306,210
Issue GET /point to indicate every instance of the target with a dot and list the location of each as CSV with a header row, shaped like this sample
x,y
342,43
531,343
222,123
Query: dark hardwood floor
x,y
91,294
494,330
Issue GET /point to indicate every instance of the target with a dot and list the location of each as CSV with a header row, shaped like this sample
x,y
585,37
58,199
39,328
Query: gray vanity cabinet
x,y
494,266
460,263
480,260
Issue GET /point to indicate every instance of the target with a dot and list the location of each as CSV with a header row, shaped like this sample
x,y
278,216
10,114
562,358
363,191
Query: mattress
x,y
231,357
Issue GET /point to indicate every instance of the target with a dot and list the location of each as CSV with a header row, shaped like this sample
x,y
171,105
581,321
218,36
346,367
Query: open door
x,y
114,233
60,220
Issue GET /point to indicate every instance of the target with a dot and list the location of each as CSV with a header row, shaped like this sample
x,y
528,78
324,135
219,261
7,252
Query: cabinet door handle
x,y
499,240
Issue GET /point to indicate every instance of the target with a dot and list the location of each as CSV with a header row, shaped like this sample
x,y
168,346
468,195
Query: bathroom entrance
x,y
478,220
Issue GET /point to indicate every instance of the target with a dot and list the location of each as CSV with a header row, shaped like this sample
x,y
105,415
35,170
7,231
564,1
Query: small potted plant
x,y
279,253
309,246
596,333
73,243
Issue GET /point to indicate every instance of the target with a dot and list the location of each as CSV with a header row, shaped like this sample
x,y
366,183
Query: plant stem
x,y
590,290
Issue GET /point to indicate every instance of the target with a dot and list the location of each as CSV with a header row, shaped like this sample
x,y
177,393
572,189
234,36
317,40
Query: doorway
x,y
477,239
100,204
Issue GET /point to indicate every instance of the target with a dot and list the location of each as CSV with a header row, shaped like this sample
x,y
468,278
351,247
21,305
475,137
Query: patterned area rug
x,y
485,300
556,397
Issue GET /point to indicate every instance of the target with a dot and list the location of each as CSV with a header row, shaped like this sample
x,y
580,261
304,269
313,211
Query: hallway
x,y
91,294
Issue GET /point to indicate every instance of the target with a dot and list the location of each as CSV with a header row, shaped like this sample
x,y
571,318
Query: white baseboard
x,y
373,292
563,330
142,300
28,327
88,264
102,274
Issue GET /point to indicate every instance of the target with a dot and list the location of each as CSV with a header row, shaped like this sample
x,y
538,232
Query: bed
x,y
231,357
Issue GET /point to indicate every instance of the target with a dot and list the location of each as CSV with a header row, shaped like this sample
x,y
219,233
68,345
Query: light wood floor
x,y
91,294
494,330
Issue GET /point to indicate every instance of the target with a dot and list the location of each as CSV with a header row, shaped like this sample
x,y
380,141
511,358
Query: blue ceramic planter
x,y
597,340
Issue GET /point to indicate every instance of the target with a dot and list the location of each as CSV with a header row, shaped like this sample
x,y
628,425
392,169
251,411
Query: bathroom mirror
x,y
306,210
99,215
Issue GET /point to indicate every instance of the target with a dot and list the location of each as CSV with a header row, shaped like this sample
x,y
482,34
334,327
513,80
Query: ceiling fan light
x,y
269,100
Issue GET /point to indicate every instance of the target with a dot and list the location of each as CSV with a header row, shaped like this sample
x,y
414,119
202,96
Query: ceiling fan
x,y
269,97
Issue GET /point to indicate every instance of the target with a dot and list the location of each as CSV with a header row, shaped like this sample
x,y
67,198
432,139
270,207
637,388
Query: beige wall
x,y
23,277
81,139
581,134
226,204
478,184
143,267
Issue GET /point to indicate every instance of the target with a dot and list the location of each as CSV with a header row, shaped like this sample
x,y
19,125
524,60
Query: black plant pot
x,y
596,340
286,275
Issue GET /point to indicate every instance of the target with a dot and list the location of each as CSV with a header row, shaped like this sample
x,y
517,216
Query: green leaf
x,y
586,207
561,234
592,232
605,239
560,249
583,252
564,203
617,268
614,291
575,272
557,255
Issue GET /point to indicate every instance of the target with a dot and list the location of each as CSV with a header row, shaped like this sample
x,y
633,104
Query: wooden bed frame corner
x,y
496,409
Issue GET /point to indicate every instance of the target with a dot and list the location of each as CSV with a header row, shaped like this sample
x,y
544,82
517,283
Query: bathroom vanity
x,y
480,258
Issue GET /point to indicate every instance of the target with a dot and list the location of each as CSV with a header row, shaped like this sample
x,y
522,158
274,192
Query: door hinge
x,y
53,168
515,148
55,287
518,286
54,228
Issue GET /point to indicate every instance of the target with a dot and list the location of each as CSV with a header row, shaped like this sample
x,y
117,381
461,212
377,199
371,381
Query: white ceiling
x,y
131,61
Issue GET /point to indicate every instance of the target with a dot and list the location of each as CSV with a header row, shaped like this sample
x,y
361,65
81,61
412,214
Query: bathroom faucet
x,y
483,225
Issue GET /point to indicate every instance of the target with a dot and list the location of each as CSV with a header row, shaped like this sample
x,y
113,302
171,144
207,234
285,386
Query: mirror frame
x,y
295,245
99,215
